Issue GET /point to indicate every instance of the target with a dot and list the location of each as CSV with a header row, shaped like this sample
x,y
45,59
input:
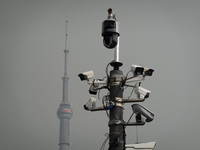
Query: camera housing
x,y
86,75
91,103
141,110
93,88
148,71
142,92
137,70
110,31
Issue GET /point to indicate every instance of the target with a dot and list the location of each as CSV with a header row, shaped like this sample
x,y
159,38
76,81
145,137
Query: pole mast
x,y
116,122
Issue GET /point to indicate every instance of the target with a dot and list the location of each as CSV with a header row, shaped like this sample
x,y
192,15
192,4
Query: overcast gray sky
x,y
161,34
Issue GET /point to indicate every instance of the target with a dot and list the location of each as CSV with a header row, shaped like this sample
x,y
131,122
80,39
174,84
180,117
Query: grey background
x,y
161,34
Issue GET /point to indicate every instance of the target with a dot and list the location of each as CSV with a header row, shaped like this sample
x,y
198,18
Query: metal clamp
x,y
115,122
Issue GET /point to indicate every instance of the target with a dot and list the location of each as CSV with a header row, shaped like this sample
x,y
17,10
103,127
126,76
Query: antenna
x,y
65,78
66,51
66,35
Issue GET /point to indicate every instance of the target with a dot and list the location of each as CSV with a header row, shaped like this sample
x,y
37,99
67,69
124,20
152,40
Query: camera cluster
x,y
139,74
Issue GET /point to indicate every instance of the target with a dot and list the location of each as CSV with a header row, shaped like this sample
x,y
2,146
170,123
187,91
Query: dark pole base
x,y
116,123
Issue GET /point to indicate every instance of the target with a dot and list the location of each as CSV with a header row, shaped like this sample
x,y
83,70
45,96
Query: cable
x,y
132,91
124,81
106,98
129,119
107,69
104,143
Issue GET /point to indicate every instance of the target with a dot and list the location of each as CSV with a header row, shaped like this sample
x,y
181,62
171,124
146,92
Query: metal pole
x,y
116,131
116,51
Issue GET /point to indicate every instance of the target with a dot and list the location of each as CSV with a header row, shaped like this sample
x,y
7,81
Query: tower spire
x,y
64,112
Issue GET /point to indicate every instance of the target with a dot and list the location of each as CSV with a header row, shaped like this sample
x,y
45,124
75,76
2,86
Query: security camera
x,y
137,70
148,72
86,75
93,89
142,92
91,103
110,31
141,110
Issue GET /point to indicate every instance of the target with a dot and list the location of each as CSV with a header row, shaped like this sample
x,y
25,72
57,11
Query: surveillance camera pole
x,y
115,84
116,122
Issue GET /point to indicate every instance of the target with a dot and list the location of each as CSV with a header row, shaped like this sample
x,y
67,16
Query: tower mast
x,y
64,112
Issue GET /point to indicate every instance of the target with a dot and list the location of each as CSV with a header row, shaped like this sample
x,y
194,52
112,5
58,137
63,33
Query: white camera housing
x,y
137,70
141,146
91,103
142,92
86,75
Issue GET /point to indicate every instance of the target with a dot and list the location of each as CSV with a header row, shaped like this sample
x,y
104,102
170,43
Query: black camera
x,y
110,33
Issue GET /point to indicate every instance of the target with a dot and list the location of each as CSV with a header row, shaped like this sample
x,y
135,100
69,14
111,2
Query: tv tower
x,y
64,112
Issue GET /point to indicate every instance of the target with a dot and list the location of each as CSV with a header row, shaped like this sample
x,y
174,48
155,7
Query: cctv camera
x,y
110,31
93,89
86,75
141,110
148,71
95,85
142,92
137,70
90,104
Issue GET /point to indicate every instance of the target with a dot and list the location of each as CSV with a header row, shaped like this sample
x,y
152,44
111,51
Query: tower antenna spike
x,y
66,35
